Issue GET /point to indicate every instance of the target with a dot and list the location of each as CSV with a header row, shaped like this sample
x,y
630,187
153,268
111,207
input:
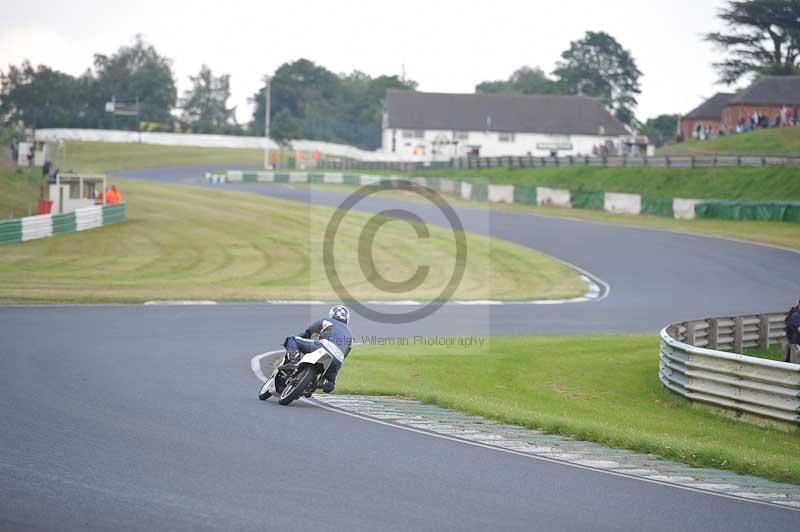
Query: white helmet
x,y
341,313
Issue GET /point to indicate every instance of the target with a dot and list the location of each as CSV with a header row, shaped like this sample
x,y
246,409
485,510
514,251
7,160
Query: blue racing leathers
x,y
329,334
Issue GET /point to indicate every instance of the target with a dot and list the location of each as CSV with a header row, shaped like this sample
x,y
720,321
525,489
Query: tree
x,y
525,80
284,127
661,128
137,73
344,108
599,66
205,104
763,38
42,97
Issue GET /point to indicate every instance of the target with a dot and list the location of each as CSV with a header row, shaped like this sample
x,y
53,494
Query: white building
x,y
436,127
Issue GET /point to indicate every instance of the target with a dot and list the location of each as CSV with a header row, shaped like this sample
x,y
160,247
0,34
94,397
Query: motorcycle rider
x,y
333,335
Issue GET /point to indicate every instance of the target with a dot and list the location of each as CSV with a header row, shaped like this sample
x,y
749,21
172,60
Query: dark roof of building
x,y
711,109
770,90
513,113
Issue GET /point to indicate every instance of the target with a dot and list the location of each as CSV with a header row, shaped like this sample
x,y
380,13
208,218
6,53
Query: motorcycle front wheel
x,y
264,393
297,385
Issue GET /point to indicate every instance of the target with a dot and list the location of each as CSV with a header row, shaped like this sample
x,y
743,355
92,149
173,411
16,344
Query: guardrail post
x,y
763,331
691,332
691,160
713,333
672,330
738,334
667,161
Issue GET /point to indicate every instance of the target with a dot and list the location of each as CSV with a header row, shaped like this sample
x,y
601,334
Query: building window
x,y
408,134
419,134
462,135
505,137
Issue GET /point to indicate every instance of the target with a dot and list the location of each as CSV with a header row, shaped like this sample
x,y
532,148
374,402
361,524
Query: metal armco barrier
x,y
44,225
692,365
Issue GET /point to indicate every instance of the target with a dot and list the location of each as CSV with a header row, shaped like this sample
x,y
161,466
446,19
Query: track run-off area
x,y
126,417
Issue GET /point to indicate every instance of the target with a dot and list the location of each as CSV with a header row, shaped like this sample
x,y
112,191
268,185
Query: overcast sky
x,y
447,46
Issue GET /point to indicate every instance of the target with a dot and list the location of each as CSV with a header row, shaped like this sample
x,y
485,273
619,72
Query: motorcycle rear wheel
x,y
298,386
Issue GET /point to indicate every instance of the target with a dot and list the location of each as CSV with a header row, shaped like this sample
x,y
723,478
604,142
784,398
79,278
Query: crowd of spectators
x,y
788,116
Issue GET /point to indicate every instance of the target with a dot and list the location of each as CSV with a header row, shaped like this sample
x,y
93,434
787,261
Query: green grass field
x,y
19,189
104,157
777,182
598,388
779,141
772,233
186,243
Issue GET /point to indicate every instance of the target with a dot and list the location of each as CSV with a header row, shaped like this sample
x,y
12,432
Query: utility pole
x,y
267,162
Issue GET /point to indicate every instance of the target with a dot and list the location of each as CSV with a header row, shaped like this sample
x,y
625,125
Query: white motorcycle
x,y
296,377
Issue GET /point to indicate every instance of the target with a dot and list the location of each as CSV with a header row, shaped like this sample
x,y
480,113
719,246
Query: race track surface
x,y
145,418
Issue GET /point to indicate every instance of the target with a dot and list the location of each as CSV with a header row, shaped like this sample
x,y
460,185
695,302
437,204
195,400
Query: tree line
x,y
762,37
307,100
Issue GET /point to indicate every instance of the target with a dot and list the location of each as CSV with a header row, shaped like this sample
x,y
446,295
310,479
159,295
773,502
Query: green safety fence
x,y
10,231
480,192
249,177
772,211
582,199
281,178
65,223
434,183
657,206
315,178
525,195
113,213
351,179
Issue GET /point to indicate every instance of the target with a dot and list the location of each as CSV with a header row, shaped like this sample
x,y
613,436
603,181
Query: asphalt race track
x,y
132,417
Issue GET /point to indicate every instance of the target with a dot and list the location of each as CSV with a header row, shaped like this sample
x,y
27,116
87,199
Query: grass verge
x,y
772,233
19,189
103,157
775,182
597,388
186,243
778,141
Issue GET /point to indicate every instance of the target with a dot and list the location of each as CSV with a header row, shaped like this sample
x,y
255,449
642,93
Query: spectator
x,y
795,117
792,321
113,196
46,169
30,156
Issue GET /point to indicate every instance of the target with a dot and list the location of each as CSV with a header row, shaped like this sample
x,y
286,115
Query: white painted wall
x,y
488,142
205,141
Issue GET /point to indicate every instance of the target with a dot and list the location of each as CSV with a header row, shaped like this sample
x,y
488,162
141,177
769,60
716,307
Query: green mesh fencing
x,y
771,211
581,199
656,206
479,192
525,195
315,178
249,177
281,178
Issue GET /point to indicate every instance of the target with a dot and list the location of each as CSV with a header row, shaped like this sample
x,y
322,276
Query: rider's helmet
x,y
341,313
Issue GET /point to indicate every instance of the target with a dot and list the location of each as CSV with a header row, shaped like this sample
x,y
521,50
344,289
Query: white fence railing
x,y
692,366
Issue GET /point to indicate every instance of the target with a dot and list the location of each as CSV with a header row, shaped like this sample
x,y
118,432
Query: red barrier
x,y
44,207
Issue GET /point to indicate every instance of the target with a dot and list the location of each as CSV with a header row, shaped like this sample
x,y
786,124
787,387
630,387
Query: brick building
x,y
707,115
767,95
